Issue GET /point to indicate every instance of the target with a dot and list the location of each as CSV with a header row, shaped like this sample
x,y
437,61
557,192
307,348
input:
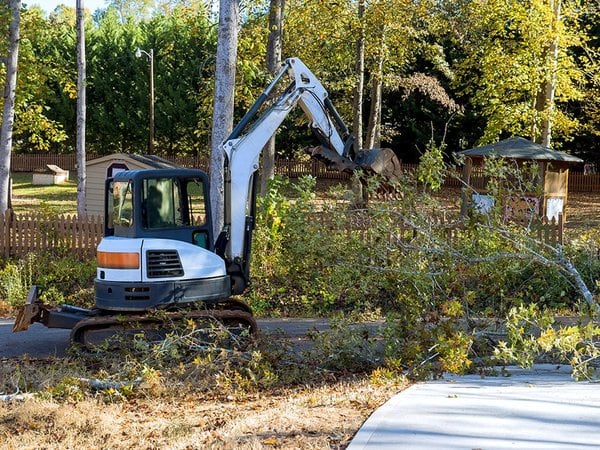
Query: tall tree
x,y
135,10
81,109
8,112
357,120
518,65
274,49
546,108
373,137
229,11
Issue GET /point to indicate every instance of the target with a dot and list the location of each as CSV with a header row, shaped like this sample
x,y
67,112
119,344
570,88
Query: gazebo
x,y
553,176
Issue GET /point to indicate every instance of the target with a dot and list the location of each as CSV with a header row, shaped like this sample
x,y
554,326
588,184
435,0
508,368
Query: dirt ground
x,y
317,418
582,214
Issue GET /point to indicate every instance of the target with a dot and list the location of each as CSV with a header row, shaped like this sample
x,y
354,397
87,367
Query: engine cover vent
x,y
163,264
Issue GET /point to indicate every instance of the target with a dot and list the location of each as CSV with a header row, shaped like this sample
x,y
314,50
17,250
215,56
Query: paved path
x,y
39,341
542,408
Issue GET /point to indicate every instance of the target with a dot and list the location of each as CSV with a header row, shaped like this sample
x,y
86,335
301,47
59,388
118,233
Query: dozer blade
x,y
30,312
381,161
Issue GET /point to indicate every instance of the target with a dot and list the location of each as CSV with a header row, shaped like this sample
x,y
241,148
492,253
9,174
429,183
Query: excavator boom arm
x,y
243,149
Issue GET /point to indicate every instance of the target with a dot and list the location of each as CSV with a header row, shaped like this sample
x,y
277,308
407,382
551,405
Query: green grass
x,y
53,199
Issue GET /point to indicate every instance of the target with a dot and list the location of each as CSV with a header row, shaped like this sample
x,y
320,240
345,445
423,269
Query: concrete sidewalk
x,y
542,408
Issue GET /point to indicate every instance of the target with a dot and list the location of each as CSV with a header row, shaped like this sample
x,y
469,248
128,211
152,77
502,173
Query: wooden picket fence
x,y
21,234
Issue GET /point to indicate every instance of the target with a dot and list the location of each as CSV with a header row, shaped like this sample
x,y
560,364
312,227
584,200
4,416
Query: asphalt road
x,y
39,341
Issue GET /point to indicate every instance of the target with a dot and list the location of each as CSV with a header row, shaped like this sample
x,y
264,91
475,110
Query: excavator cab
x,y
167,204
158,246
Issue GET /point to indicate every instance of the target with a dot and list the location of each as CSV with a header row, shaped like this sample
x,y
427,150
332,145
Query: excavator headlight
x,y
119,260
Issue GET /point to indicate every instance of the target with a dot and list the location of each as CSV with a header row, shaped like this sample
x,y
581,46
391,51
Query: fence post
x,y
560,228
5,220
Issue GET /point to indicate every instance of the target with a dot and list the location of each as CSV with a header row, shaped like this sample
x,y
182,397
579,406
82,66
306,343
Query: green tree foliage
x,y
41,73
503,63
481,64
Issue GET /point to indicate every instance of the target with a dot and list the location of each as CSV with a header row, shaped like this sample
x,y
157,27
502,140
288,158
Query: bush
x,y
63,280
396,259
16,277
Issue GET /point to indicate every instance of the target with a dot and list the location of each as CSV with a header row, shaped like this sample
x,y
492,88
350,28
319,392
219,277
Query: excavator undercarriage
x,y
93,327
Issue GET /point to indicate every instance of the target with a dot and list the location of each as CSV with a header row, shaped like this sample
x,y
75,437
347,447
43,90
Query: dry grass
x,y
583,209
302,418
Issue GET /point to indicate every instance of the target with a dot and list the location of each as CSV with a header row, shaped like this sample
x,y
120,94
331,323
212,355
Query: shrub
x,y
16,277
397,259
63,279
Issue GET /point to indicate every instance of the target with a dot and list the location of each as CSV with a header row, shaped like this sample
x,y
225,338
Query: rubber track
x,y
119,322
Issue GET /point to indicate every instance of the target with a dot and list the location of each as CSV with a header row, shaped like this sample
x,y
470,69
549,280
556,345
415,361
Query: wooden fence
x,y
292,168
21,234
550,232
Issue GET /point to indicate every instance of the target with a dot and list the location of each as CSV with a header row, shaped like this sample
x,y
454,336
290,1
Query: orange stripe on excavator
x,y
118,260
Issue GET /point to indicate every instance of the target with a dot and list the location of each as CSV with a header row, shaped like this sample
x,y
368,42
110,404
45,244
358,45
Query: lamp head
x,y
138,52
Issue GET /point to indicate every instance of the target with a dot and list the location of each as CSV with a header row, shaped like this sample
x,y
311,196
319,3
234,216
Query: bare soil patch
x,y
583,212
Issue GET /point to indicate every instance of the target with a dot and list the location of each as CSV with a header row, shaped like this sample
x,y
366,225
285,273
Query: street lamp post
x,y
138,53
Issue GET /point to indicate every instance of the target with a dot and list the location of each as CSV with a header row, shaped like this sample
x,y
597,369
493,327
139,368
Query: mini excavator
x,y
158,252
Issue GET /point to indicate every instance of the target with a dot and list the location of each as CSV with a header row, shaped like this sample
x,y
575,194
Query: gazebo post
x,y
466,179
542,177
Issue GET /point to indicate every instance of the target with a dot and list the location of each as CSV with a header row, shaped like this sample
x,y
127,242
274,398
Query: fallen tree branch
x,y
103,385
17,396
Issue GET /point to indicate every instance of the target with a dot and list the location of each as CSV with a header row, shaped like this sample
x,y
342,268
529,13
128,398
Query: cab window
x,y
196,201
120,207
162,203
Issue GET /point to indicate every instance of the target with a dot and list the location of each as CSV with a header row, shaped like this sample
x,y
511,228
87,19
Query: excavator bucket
x,y
331,159
380,161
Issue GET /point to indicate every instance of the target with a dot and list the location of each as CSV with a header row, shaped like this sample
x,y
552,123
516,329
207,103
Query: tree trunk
x,y
8,113
373,135
550,88
359,64
544,101
274,46
223,104
374,127
81,109
357,120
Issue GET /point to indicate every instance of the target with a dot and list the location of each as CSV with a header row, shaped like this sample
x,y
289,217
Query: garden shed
x,y
549,201
99,169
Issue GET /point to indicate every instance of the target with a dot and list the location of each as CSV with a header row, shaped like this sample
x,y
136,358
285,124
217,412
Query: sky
x,y
49,5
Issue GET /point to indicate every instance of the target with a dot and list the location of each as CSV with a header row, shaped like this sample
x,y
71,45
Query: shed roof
x,y
517,147
152,161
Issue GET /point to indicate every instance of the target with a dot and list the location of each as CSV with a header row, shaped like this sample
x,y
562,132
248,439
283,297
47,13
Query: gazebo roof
x,y
520,148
